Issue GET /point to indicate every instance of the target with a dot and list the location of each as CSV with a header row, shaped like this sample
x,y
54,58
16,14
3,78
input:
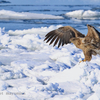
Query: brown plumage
x,y
90,44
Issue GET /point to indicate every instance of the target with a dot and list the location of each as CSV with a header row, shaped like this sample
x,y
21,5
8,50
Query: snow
x,y
41,31
82,14
8,15
31,69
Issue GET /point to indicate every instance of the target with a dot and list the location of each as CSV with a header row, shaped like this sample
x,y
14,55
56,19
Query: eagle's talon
x,y
83,61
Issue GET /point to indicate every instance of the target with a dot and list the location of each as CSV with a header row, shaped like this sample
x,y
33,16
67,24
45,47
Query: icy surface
x,y
7,14
31,69
82,14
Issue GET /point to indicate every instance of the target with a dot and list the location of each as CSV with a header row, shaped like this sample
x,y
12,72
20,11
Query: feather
x,y
64,34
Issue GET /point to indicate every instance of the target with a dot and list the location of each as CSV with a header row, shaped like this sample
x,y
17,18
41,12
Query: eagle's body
x,y
89,44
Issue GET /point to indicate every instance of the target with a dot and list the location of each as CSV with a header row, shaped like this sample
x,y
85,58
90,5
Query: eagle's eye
x,y
72,39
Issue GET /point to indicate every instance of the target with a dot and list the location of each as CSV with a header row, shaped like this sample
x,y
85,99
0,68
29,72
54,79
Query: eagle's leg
x,y
88,56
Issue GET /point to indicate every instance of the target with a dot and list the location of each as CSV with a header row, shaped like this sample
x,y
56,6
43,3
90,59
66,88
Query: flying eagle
x,y
89,44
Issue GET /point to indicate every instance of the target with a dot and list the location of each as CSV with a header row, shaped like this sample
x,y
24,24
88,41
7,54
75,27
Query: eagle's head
x,y
75,41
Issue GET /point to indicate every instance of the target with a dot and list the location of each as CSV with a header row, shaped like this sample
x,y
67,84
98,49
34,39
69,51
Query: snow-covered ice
x,y
30,69
82,14
7,14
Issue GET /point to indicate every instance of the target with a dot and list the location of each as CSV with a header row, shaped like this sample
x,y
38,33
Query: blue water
x,y
59,10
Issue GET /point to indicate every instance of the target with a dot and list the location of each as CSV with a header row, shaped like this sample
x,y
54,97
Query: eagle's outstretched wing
x,y
62,35
93,33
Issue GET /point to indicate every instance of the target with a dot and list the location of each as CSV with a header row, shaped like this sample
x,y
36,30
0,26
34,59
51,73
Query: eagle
x,y
89,44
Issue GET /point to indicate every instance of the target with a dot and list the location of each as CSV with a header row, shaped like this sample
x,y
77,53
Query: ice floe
x,y
31,69
8,15
82,14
